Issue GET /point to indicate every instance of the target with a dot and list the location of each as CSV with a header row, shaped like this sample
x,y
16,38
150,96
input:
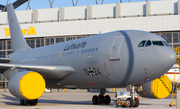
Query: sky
x,y
41,4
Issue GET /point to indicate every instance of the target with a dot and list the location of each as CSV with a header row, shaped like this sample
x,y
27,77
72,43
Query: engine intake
x,y
27,85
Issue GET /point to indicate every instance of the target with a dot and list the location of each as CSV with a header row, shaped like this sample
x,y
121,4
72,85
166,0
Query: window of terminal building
x,y
176,48
49,41
2,45
9,52
70,38
176,37
157,33
31,42
9,44
167,37
39,42
79,37
2,54
2,78
176,45
2,85
58,40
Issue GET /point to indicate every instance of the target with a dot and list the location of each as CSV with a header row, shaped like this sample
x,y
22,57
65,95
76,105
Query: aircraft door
x,y
115,48
59,58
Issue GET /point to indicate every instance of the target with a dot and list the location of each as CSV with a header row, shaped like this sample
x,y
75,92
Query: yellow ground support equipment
x,y
124,99
174,91
161,87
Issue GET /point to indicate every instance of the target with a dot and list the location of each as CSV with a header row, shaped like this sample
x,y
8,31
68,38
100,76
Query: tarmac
x,y
77,100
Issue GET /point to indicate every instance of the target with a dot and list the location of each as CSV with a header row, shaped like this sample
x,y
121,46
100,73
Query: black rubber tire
x,y
95,99
32,102
170,105
36,101
130,102
136,102
116,105
123,106
21,102
107,99
100,99
26,102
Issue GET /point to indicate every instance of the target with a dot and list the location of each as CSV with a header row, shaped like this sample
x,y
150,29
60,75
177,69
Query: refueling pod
x,y
27,85
159,88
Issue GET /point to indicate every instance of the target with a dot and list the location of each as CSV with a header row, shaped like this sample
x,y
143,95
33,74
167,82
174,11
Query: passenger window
x,y
158,43
148,43
141,44
165,43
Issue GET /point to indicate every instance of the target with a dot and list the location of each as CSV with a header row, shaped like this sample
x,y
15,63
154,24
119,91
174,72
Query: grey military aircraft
x,y
111,60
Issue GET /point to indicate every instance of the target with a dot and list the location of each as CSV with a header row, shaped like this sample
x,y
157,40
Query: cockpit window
x,y
158,43
141,44
148,43
165,43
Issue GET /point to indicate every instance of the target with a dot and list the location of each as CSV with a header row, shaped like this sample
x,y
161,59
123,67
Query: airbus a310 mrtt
x,y
110,60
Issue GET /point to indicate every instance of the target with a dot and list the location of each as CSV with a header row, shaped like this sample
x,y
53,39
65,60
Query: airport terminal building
x,y
43,27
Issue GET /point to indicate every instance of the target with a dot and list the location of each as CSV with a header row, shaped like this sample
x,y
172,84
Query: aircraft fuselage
x,y
106,60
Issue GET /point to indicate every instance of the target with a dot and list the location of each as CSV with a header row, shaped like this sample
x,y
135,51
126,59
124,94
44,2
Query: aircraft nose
x,y
164,59
170,57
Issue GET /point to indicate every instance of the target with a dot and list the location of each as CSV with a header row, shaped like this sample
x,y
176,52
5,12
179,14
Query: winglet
x,y
17,39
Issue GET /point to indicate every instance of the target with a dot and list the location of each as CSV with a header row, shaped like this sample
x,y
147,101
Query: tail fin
x,y
17,39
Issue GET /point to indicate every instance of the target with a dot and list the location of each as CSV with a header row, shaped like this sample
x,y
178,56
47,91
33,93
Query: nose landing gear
x,y
101,99
134,96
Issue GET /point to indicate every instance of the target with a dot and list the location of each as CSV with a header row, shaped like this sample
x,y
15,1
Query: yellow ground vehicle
x,y
124,99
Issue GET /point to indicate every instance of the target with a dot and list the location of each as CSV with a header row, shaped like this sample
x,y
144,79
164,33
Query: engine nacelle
x,y
27,85
159,88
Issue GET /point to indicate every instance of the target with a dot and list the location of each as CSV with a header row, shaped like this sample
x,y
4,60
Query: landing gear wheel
x,y
100,99
95,99
21,102
107,99
33,102
117,105
26,102
136,102
129,102
123,106
170,105
36,101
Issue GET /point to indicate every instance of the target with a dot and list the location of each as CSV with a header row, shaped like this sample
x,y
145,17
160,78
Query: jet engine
x,y
159,88
27,85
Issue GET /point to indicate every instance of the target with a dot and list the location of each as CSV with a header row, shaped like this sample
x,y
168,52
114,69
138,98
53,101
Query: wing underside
x,y
47,71
4,60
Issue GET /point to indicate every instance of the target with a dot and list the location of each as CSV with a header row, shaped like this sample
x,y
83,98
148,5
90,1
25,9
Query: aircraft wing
x,y
5,60
47,71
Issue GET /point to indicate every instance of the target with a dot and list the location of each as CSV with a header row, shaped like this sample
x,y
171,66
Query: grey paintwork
x,y
13,85
102,61
16,31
